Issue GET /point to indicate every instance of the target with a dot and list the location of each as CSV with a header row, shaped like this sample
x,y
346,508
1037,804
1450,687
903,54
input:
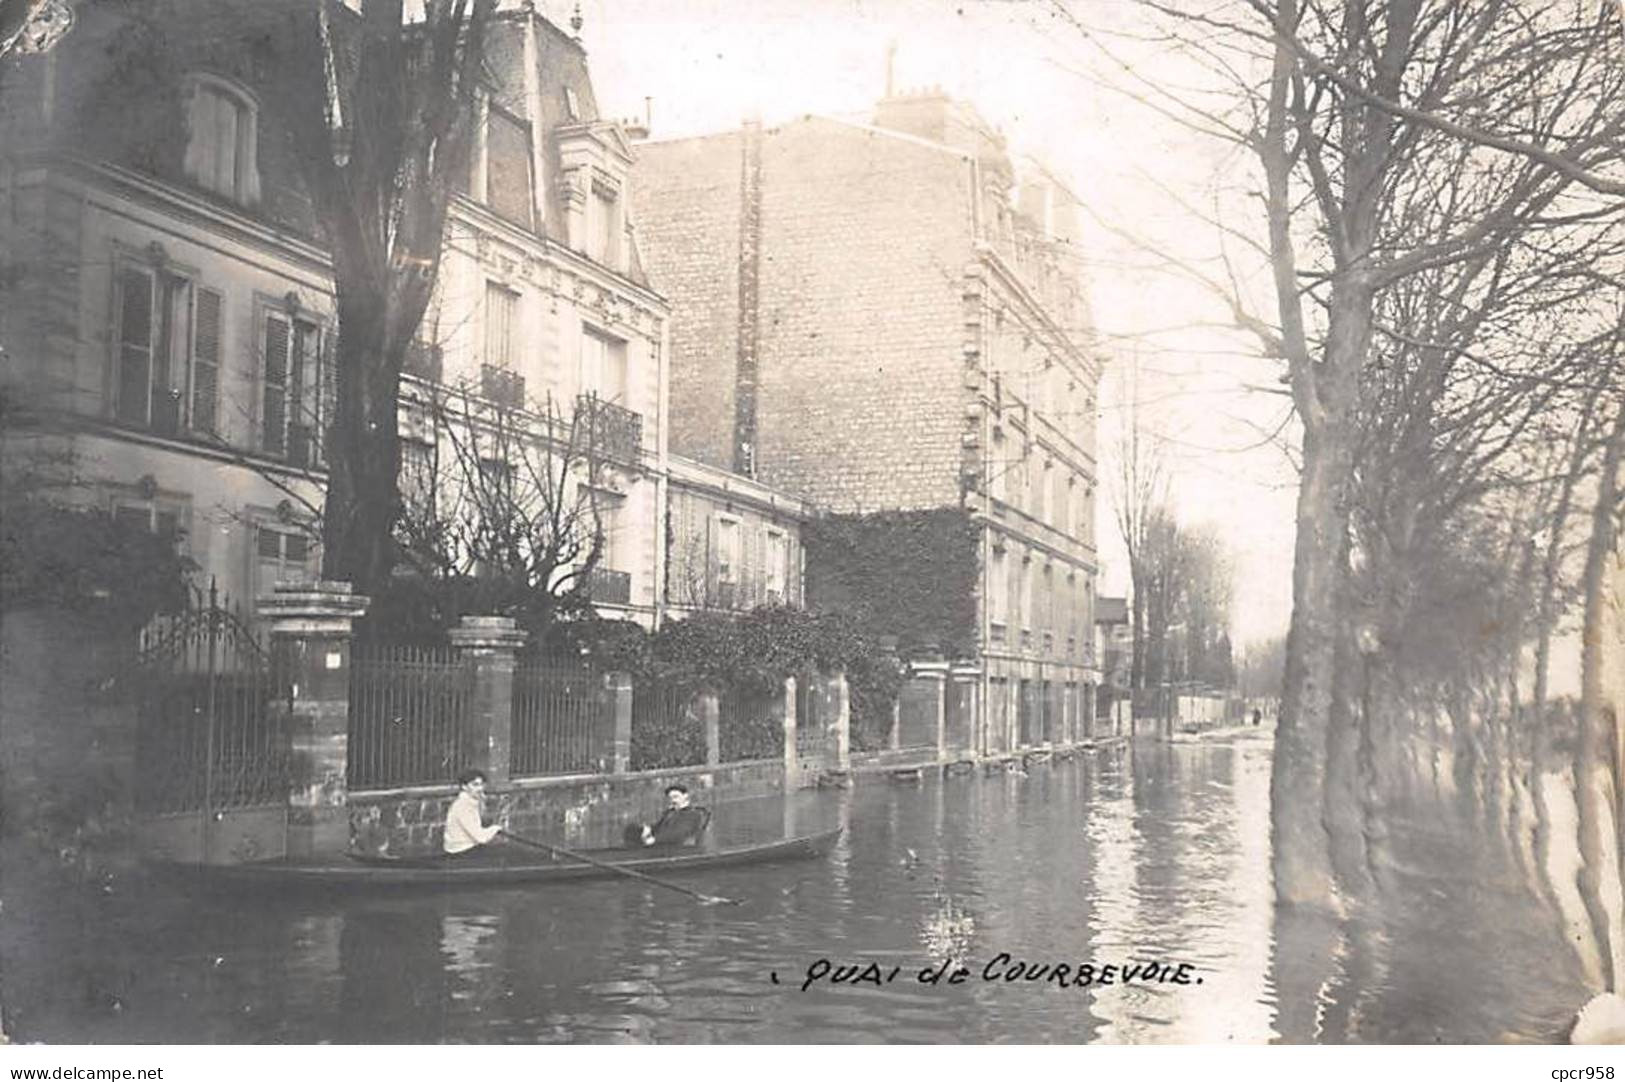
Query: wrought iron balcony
x,y
502,386
609,587
608,431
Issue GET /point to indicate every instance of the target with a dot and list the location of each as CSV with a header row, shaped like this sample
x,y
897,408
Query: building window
x,y
161,519
281,554
222,140
294,387
998,594
417,483
603,366
501,326
728,565
778,554
161,366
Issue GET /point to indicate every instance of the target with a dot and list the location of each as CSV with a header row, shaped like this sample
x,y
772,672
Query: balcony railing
x,y
608,431
609,587
502,386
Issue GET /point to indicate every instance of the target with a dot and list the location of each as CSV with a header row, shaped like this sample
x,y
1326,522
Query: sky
x,y
1042,79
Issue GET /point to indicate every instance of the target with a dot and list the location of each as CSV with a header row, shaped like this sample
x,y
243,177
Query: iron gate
x,y
207,738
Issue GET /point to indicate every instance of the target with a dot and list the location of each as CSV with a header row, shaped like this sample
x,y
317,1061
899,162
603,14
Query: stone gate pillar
x,y
617,723
311,625
838,723
710,721
488,644
792,759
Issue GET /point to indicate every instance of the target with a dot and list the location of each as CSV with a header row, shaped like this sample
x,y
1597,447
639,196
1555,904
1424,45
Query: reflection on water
x,y
1156,855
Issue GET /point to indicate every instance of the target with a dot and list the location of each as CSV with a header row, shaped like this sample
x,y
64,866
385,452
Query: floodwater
x,y
1159,854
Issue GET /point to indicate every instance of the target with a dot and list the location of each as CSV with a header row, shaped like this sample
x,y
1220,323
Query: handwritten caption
x,y
1002,968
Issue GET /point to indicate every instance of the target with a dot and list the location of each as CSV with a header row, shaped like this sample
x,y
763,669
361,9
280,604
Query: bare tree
x,y
502,507
1389,139
378,113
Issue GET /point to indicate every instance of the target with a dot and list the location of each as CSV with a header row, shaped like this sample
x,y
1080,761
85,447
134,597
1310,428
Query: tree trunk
x,y
362,491
1298,838
1600,772
1343,812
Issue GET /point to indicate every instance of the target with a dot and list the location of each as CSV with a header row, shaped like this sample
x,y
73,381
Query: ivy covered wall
x,y
911,575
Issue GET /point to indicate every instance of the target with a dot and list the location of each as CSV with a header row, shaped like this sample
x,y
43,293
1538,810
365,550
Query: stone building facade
x,y
734,544
889,317
169,317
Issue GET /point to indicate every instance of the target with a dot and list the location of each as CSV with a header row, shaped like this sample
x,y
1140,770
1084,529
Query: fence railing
x,y
809,719
667,727
408,709
749,726
559,722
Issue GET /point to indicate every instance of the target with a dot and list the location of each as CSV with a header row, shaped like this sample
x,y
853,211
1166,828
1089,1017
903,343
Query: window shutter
x,y
206,362
274,414
135,345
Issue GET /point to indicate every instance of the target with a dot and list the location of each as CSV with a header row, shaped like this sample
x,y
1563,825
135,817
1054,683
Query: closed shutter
x,y
274,410
206,363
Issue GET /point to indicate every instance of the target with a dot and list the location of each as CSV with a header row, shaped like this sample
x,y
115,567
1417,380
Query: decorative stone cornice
x,y
487,633
312,608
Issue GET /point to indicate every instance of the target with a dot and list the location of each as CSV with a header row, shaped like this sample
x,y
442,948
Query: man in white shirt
x,y
464,829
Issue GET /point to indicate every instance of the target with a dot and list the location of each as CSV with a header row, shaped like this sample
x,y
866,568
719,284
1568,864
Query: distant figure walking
x,y
1258,716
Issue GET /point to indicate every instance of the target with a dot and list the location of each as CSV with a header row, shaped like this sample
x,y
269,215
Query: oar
x,y
559,850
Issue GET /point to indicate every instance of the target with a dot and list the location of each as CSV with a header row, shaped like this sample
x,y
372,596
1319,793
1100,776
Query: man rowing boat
x,y
465,831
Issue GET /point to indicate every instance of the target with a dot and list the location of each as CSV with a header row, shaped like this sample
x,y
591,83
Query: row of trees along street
x,y
1427,237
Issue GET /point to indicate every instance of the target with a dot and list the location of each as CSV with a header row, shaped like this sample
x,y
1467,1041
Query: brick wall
x,y
685,203
864,237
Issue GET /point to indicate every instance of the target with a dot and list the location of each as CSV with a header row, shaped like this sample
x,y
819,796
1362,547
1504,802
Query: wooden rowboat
x,y
495,867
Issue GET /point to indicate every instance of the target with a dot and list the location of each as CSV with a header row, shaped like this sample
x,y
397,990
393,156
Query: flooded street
x,y
1159,854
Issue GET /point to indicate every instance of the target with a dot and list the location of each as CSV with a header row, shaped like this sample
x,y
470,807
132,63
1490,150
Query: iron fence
x,y
559,723
809,718
667,729
408,712
749,725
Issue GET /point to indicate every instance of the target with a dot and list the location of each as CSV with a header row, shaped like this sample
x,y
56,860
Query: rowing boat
x,y
497,866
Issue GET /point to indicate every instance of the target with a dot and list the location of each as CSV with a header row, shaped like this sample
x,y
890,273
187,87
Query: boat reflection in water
x,y
1114,858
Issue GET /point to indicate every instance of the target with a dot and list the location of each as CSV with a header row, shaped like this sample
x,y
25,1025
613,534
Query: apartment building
x,y
889,317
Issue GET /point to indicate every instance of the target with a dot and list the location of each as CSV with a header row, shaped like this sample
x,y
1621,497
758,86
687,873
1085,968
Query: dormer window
x,y
222,140
604,226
